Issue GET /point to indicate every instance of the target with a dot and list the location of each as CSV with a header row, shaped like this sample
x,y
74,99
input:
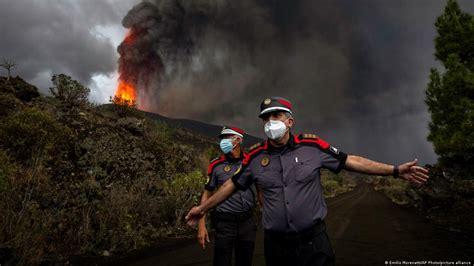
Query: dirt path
x,y
365,228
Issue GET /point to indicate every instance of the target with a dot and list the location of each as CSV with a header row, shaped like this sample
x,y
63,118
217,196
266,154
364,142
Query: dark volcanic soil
x,y
365,227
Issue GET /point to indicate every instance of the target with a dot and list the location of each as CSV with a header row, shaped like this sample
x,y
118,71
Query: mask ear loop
x,y
287,128
234,138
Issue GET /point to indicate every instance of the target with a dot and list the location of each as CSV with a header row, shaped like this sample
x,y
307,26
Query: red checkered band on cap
x,y
232,131
275,104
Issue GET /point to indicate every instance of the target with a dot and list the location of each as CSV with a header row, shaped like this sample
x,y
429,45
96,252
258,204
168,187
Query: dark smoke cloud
x,y
355,70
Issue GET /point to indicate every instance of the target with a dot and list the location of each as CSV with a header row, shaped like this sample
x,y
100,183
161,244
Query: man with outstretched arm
x,y
287,167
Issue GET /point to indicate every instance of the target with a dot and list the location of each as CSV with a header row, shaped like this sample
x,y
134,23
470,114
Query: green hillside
x,y
79,179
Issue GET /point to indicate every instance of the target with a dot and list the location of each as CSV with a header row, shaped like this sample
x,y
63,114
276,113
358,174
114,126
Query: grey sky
x,y
78,38
355,70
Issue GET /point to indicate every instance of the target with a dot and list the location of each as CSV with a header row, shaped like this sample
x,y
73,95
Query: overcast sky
x,y
368,62
75,37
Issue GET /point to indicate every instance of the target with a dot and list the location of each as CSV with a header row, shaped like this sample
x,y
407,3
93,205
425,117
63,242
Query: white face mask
x,y
275,129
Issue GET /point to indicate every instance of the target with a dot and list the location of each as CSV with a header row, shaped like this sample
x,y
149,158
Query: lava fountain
x,y
126,92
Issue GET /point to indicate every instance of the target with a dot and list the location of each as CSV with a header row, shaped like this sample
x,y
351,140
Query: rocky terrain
x,y
78,179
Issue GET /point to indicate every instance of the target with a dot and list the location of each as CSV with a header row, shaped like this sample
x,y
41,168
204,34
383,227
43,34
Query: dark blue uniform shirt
x,y
220,170
289,178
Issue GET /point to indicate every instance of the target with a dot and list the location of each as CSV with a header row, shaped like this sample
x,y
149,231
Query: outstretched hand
x,y
194,215
413,173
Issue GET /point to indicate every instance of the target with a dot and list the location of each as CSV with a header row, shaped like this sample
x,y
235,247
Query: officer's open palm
x,y
413,173
203,236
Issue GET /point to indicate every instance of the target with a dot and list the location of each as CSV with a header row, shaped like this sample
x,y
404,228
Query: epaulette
x,y
312,139
309,136
254,150
215,159
256,145
215,162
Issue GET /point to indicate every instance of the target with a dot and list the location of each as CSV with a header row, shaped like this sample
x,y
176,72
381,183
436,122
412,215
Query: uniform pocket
x,y
306,170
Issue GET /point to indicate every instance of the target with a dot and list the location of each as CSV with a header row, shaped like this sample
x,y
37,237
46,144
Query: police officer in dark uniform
x,y
233,219
287,168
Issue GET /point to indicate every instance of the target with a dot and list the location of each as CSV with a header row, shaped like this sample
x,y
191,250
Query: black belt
x,y
308,233
233,217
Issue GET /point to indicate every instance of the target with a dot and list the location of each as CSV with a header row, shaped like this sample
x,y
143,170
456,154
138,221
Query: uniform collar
x,y
233,160
290,144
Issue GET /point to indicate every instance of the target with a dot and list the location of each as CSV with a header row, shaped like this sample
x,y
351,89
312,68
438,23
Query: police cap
x,y
274,104
226,130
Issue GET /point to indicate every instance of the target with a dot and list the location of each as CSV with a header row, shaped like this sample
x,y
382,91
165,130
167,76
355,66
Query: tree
x,y
68,90
8,65
450,95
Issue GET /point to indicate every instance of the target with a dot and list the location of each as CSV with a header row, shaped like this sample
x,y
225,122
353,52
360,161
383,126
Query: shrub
x,y
181,193
28,135
395,189
69,90
7,168
90,181
330,188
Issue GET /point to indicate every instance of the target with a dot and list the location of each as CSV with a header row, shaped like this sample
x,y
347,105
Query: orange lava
x,y
125,93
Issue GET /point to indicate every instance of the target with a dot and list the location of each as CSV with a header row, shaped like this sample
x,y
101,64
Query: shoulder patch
x,y
309,136
254,150
256,145
313,139
215,162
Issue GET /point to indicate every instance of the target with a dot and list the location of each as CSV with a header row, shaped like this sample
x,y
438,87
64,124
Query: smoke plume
x,y
354,70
